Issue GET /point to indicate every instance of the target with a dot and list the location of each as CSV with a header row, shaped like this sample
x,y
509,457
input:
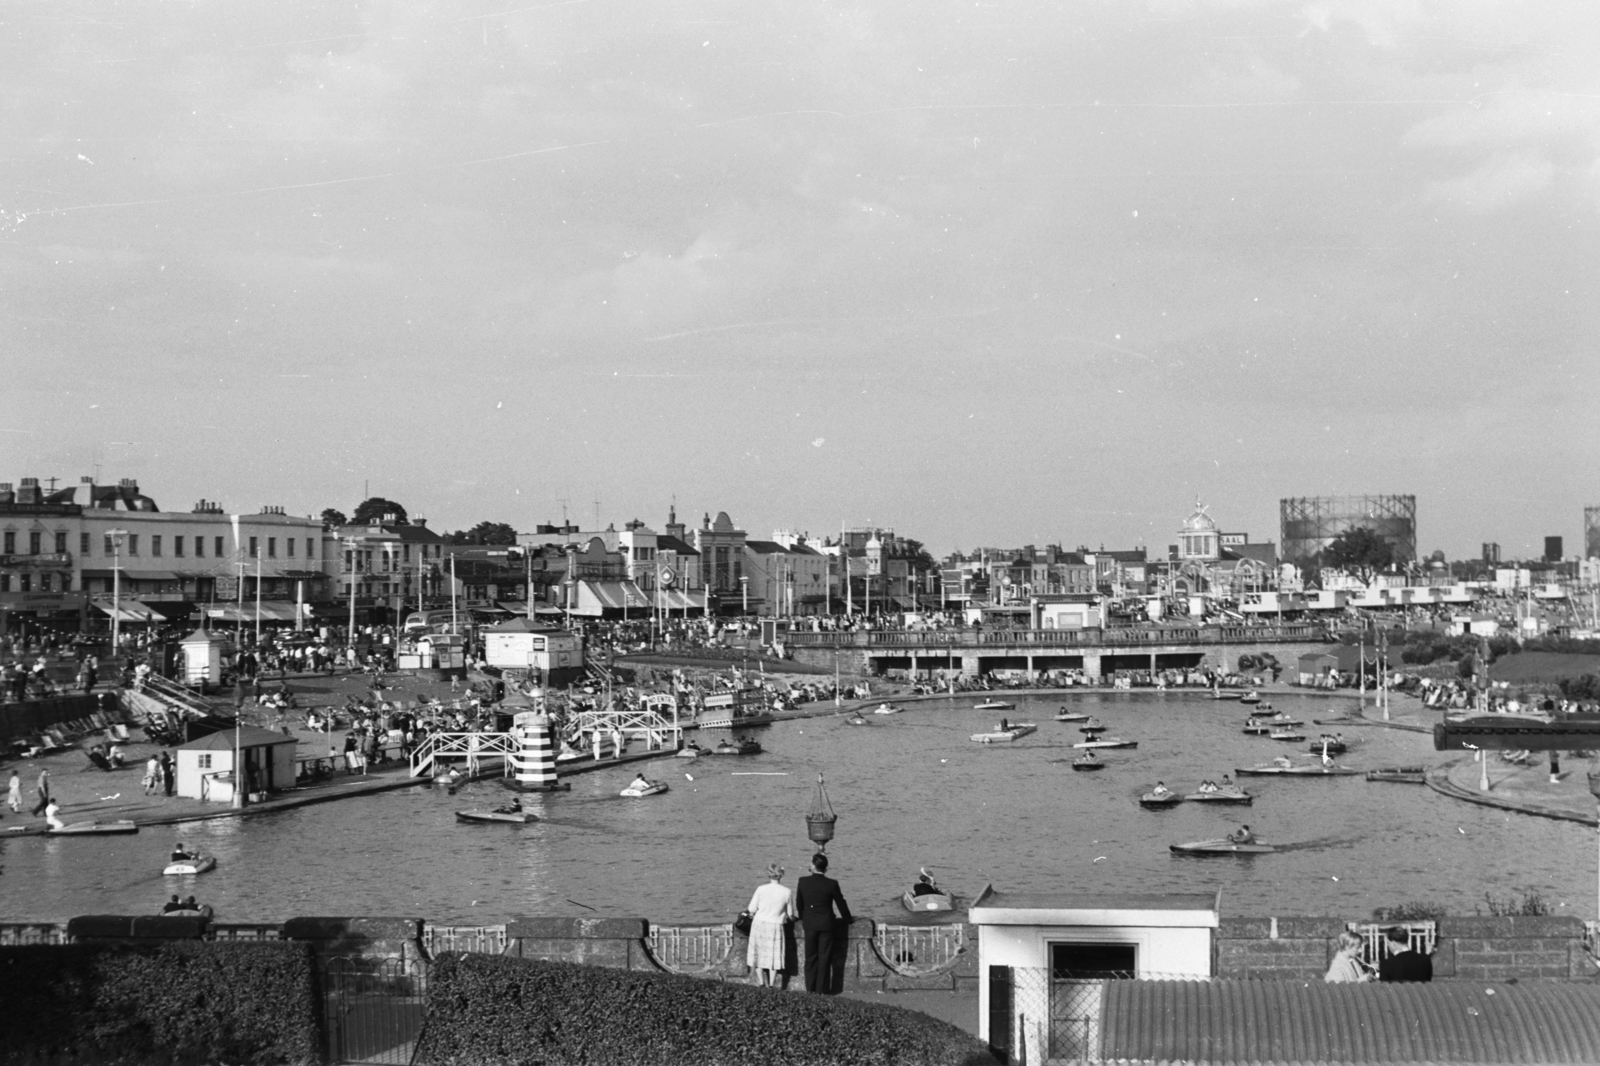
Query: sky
x,y
985,273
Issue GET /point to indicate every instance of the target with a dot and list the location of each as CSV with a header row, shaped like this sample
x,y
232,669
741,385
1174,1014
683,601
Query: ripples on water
x,y
910,790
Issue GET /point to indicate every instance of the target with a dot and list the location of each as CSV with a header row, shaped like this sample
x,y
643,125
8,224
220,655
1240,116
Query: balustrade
x,y
1132,636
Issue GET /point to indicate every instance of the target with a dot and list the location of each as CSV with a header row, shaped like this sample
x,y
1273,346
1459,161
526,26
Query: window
x,y
5,582
254,548
1092,962
133,544
272,548
61,542
66,582
84,540
177,547
310,548
155,544
288,542
205,760
405,552
110,546
216,547
199,547
34,539
24,583
11,543
44,582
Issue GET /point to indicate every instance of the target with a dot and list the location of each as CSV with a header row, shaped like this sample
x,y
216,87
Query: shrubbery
x,y
172,1003
485,1010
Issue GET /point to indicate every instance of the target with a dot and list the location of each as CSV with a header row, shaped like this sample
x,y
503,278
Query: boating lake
x,y
910,790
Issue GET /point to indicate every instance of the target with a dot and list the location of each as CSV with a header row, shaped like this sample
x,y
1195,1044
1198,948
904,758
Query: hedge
x,y
164,1004
486,1010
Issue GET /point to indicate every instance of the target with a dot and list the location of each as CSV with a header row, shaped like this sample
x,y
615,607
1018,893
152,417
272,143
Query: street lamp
x,y
1594,790
820,818
115,536
744,592
350,546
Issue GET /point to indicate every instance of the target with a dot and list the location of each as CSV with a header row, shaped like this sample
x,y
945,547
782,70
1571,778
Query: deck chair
x,y
118,731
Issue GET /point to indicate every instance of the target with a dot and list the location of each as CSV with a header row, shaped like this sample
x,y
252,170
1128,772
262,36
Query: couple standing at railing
x,y
774,909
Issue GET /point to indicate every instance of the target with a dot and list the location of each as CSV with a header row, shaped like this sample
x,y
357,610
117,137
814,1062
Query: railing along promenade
x,y
1122,637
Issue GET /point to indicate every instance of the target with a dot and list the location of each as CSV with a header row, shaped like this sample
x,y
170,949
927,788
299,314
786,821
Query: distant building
x,y
1308,524
1552,549
1491,553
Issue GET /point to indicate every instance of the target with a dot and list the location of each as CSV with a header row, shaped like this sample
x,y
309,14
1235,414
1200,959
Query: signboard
x,y
42,601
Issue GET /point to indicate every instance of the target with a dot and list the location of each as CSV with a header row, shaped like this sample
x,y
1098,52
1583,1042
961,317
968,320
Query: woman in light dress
x,y
1347,967
770,907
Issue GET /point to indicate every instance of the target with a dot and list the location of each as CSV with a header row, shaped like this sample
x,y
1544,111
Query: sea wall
x,y
29,717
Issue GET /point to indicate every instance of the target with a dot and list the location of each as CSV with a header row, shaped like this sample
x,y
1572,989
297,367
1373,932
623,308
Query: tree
x,y
1360,552
485,533
913,550
332,519
374,508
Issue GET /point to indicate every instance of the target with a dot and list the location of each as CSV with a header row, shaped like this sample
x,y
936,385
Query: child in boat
x,y
1161,789
182,854
1242,835
924,885
640,782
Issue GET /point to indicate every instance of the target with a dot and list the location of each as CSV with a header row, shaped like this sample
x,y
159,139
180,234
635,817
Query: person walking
x,y
152,775
169,775
771,908
818,895
42,790
14,793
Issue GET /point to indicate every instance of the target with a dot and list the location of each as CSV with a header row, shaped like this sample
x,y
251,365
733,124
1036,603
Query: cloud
x,y
1498,183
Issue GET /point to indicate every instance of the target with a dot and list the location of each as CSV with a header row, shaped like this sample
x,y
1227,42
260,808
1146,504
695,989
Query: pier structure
x,y
973,652
654,721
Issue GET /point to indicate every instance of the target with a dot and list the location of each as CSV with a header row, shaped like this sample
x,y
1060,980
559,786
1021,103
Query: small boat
x,y
1223,847
886,708
690,751
1093,725
1404,775
1278,719
742,747
1328,744
1087,761
498,814
195,864
1160,801
928,902
1106,742
1250,697
1296,771
1219,694
855,719
1263,706
1016,731
92,829
1065,715
993,705
1287,734
1223,797
1257,729
649,790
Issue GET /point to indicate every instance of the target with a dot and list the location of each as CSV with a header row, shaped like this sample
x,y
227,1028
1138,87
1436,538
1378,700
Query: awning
x,y
675,600
597,597
148,575
512,607
130,611
270,612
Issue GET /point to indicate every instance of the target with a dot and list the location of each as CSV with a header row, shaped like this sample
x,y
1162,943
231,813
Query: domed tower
x,y
1198,540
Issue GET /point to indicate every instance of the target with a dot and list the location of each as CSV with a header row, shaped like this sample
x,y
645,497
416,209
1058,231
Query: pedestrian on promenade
x,y
818,895
772,908
152,775
14,792
1347,967
41,789
169,774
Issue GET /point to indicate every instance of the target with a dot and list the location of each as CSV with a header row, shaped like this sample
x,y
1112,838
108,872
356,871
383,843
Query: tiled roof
x,y
673,544
1226,1022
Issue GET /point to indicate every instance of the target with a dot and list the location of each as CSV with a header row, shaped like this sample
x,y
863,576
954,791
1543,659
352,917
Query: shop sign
x,y
42,561
41,601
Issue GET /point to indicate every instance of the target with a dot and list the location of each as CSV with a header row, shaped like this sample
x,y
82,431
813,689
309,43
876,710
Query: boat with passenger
x,y
641,787
736,746
1228,795
691,750
1065,715
1250,698
1223,846
1106,742
886,708
94,829
1159,798
1088,761
1286,733
1256,728
1093,725
1329,744
1005,732
511,813
992,704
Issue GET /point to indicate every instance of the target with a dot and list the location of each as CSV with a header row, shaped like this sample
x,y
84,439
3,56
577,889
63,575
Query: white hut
x,y
205,766
202,658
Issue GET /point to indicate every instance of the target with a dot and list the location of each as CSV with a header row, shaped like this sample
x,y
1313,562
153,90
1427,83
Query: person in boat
x,y
639,783
1088,757
1242,835
1283,762
173,904
1004,725
514,807
925,885
1162,790
692,746
1227,782
183,854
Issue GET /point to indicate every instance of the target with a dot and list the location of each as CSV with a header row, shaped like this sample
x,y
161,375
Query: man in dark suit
x,y
1400,962
816,895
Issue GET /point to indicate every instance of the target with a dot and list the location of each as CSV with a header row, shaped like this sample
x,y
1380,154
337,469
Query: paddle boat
x,y
1257,728
1012,731
1222,847
1093,725
512,813
690,750
1250,697
1088,761
1286,733
1160,798
992,704
1223,796
1220,694
1330,745
1403,775
1296,771
182,862
855,719
741,746
1106,742
927,903
886,708
94,829
1065,715
1277,719
637,791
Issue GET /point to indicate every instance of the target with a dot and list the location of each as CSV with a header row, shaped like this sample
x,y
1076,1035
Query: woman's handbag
x,y
741,924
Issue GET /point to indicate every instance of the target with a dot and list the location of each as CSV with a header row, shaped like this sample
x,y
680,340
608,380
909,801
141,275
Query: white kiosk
x,y
202,658
1043,959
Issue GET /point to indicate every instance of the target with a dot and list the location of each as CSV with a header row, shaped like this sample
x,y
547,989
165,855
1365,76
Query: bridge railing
x,y
467,747
1134,636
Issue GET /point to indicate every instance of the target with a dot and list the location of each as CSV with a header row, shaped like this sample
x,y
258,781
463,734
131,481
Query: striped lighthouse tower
x,y
534,764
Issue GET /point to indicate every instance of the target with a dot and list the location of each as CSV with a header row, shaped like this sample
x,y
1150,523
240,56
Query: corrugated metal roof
x,y
1226,1022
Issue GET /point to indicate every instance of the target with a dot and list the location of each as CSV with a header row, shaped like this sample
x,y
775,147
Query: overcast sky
x,y
987,273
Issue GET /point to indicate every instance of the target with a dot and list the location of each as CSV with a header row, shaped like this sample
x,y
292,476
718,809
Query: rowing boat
x,y
1297,771
1237,797
94,829
1087,761
1016,731
1222,847
1158,801
498,814
1071,716
1107,742
649,790
993,705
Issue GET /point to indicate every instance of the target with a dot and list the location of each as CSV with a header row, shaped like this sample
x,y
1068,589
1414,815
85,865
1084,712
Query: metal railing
x,y
915,950
479,939
690,949
946,639
175,695
15,933
1420,936
467,747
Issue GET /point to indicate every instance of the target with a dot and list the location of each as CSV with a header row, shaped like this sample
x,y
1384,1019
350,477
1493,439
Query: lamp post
x,y
115,536
820,818
1594,790
350,546
744,592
